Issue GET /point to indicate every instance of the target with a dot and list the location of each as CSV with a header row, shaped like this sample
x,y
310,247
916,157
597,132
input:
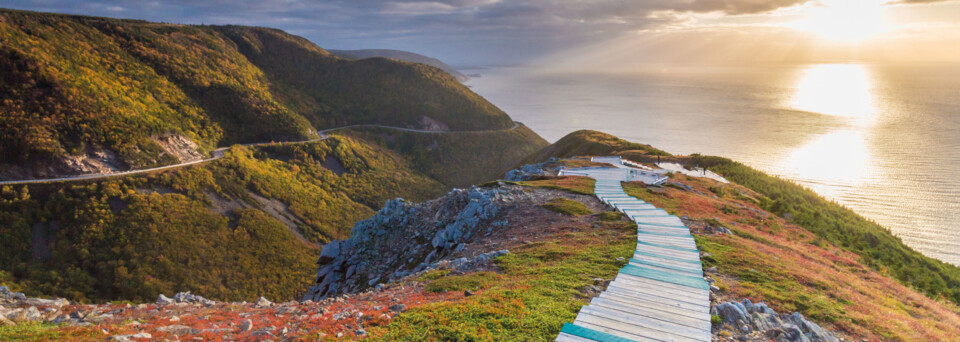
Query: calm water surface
x,y
883,140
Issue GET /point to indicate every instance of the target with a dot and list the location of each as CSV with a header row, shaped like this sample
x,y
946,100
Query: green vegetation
x,y
567,207
536,291
36,331
459,159
331,91
74,83
577,185
593,143
472,282
242,226
879,248
833,223
610,216
234,229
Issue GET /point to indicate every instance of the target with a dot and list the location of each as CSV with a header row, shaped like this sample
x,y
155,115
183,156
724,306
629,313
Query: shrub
x,y
568,207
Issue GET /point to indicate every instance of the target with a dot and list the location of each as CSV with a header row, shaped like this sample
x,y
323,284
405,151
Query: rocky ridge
x,y
403,239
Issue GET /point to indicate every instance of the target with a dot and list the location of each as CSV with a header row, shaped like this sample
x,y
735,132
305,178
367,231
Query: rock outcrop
x,y
530,171
758,322
184,297
405,238
179,146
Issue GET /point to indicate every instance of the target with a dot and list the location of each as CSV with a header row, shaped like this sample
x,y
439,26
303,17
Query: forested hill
x,y
403,56
80,94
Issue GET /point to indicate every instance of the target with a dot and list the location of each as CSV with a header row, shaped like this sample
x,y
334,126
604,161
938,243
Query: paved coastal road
x,y
220,152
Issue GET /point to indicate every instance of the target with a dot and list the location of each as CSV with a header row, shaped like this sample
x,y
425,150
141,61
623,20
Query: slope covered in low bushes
x,y
76,86
831,222
243,226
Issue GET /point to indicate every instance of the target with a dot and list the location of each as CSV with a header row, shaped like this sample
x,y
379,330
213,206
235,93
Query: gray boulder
x,y
748,317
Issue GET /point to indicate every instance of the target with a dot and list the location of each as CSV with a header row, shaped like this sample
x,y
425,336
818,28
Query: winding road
x,y
220,152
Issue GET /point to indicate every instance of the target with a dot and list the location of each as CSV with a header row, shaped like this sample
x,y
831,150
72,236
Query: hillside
x,y
93,95
442,156
593,143
96,95
518,265
401,55
831,223
285,199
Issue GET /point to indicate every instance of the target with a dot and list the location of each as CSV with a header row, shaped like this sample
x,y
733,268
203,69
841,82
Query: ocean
x,y
883,140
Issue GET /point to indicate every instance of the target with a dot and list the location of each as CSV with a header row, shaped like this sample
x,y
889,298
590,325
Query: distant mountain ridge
x,y
403,56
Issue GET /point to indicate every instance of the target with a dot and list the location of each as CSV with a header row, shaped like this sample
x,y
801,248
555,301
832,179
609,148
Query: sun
x,y
845,21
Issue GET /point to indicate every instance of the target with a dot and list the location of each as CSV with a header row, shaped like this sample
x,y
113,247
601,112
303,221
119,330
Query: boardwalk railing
x,y
661,294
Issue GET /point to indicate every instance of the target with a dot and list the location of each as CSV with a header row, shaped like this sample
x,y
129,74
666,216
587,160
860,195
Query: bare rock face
x,y
95,161
429,124
531,171
405,238
99,161
179,146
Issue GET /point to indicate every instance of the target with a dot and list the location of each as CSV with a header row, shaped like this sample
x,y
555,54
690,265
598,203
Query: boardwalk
x,y
661,294
621,171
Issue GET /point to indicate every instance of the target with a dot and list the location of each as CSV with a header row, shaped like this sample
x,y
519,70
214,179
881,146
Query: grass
x,y
536,291
577,185
35,331
593,143
472,282
610,216
567,207
771,260
457,159
840,226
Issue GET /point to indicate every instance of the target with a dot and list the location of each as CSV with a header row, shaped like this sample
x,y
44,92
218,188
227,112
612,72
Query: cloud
x,y
461,31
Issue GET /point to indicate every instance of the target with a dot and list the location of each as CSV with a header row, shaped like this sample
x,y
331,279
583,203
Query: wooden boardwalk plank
x,y
661,294
669,277
657,296
615,332
656,225
670,262
694,319
587,334
670,233
647,290
661,285
644,263
565,337
634,329
646,322
667,252
639,300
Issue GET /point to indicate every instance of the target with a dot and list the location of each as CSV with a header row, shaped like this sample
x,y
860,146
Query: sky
x,y
582,33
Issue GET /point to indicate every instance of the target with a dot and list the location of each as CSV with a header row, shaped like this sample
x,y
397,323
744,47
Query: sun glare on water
x,y
843,90
845,21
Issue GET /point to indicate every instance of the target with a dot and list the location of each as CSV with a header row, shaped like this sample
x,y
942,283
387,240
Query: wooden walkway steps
x,y
661,294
